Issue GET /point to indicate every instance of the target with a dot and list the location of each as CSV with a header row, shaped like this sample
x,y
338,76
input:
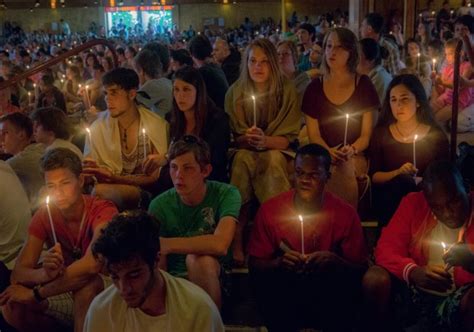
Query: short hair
x,y
466,20
194,144
162,52
47,79
310,28
125,78
53,119
61,158
375,20
452,43
348,42
130,235
200,47
20,121
316,151
182,56
149,62
444,173
371,50
292,47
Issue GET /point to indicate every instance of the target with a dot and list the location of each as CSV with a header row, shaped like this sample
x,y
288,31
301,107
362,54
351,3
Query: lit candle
x,y
300,217
445,250
35,87
414,150
434,65
144,143
345,130
88,101
418,62
51,221
433,13
29,98
452,13
89,133
254,111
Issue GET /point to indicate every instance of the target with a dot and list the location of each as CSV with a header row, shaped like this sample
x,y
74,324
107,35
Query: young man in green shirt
x,y
198,217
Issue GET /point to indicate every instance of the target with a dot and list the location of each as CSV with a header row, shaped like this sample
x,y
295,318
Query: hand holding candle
x,y
51,221
300,217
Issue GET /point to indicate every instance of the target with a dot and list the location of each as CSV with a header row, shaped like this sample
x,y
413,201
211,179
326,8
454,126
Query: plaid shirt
x,y
392,63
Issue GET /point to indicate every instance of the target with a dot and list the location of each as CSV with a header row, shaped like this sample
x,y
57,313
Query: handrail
x,y
39,68
455,107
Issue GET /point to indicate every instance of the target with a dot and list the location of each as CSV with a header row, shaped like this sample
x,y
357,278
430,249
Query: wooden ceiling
x,y
27,4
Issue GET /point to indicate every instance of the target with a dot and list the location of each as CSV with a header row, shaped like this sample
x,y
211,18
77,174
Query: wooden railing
x,y
62,57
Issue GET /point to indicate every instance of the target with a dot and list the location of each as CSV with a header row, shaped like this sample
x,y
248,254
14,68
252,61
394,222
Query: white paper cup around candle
x,y
51,221
300,217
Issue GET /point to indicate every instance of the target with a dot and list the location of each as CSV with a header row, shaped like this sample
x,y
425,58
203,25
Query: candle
x,y
414,150
345,130
445,250
452,13
90,139
144,143
88,101
300,217
433,13
29,98
254,111
51,221
35,87
418,62
434,65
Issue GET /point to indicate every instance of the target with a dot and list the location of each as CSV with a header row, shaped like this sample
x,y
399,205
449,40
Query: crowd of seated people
x,y
172,164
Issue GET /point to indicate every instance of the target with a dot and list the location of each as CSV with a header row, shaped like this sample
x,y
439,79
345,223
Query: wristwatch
x,y
37,295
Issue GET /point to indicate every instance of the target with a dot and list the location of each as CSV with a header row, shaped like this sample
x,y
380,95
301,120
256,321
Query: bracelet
x,y
37,295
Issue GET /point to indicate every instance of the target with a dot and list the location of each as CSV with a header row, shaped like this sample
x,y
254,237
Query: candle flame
x,y
419,54
434,61
87,87
34,85
347,116
47,200
88,130
80,86
444,245
143,131
253,97
300,217
414,138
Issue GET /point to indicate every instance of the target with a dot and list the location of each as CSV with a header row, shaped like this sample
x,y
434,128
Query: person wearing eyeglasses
x,y
263,129
307,252
198,218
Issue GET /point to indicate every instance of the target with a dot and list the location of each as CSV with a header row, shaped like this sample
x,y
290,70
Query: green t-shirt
x,y
180,220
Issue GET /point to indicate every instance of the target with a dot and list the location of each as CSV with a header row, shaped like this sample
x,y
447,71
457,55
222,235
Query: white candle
x,y
434,65
35,86
88,101
144,143
51,221
29,98
300,217
254,111
414,150
418,62
444,246
90,139
345,130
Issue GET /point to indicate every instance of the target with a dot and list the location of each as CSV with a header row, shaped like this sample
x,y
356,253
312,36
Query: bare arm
x,y
215,244
78,273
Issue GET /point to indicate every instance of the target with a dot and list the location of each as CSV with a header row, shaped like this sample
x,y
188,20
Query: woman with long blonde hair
x,y
265,118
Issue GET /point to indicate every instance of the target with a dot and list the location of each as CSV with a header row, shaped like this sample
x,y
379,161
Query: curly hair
x,y
131,234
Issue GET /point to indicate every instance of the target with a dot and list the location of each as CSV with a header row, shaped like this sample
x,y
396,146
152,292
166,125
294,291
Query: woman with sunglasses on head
x,y
264,116
339,109
406,117
195,114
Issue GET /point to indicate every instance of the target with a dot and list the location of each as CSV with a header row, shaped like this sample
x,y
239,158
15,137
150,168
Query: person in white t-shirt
x,y
144,298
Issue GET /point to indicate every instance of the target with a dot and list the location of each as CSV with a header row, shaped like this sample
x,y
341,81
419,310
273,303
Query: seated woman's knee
x,y
203,263
376,278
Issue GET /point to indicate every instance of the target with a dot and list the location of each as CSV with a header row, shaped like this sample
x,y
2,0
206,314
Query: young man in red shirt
x,y
58,292
315,287
425,258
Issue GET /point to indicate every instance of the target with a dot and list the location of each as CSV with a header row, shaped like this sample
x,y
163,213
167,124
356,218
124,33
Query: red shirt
x,y
335,228
404,243
97,212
